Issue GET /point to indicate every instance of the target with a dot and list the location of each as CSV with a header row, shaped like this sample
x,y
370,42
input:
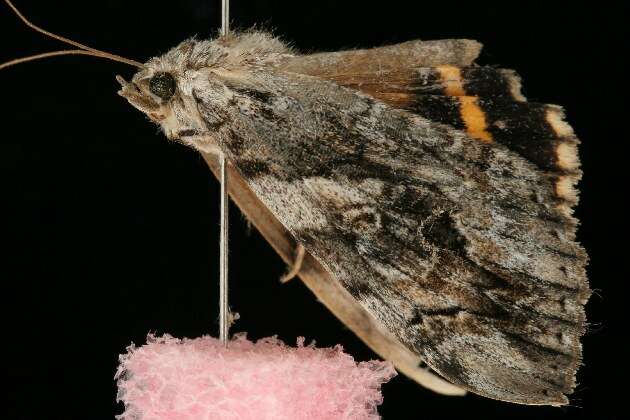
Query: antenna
x,y
81,48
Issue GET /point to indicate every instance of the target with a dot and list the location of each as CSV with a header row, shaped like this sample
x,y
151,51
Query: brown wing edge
x,y
328,290
406,55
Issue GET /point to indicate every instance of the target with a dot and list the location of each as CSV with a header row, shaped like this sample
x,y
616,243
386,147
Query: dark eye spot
x,y
162,85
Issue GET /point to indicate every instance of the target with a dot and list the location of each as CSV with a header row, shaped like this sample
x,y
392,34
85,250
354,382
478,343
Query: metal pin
x,y
225,17
224,321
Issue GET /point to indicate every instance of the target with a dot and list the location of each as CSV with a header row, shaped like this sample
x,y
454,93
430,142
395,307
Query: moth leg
x,y
297,264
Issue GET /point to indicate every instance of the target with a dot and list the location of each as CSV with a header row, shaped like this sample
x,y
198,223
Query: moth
x,y
432,201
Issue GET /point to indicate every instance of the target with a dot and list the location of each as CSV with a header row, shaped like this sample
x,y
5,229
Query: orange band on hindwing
x,y
471,114
451,78
474,118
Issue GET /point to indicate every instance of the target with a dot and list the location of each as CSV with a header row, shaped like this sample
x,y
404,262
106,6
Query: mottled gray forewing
x,y
462,249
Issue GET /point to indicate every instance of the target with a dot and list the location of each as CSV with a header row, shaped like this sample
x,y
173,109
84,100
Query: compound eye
x,y
162,85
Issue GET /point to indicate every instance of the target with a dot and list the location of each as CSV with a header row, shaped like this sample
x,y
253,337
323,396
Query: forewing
x,y
462,248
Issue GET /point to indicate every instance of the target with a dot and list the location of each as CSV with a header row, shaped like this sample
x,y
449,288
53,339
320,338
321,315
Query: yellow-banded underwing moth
x,y
433,201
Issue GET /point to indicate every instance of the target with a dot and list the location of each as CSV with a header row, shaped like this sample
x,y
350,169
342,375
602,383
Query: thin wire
x,y
93,51
224,322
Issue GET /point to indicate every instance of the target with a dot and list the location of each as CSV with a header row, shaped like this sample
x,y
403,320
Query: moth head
x,y
161,89
150,92
169,88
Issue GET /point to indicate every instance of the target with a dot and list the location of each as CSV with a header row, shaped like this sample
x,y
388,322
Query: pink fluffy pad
x,y
175,379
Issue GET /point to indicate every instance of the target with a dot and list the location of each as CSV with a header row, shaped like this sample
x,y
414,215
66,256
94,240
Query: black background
x,y
111,231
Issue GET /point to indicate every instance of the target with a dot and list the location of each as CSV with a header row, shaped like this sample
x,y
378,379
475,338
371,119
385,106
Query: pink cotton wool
x,y
175,379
